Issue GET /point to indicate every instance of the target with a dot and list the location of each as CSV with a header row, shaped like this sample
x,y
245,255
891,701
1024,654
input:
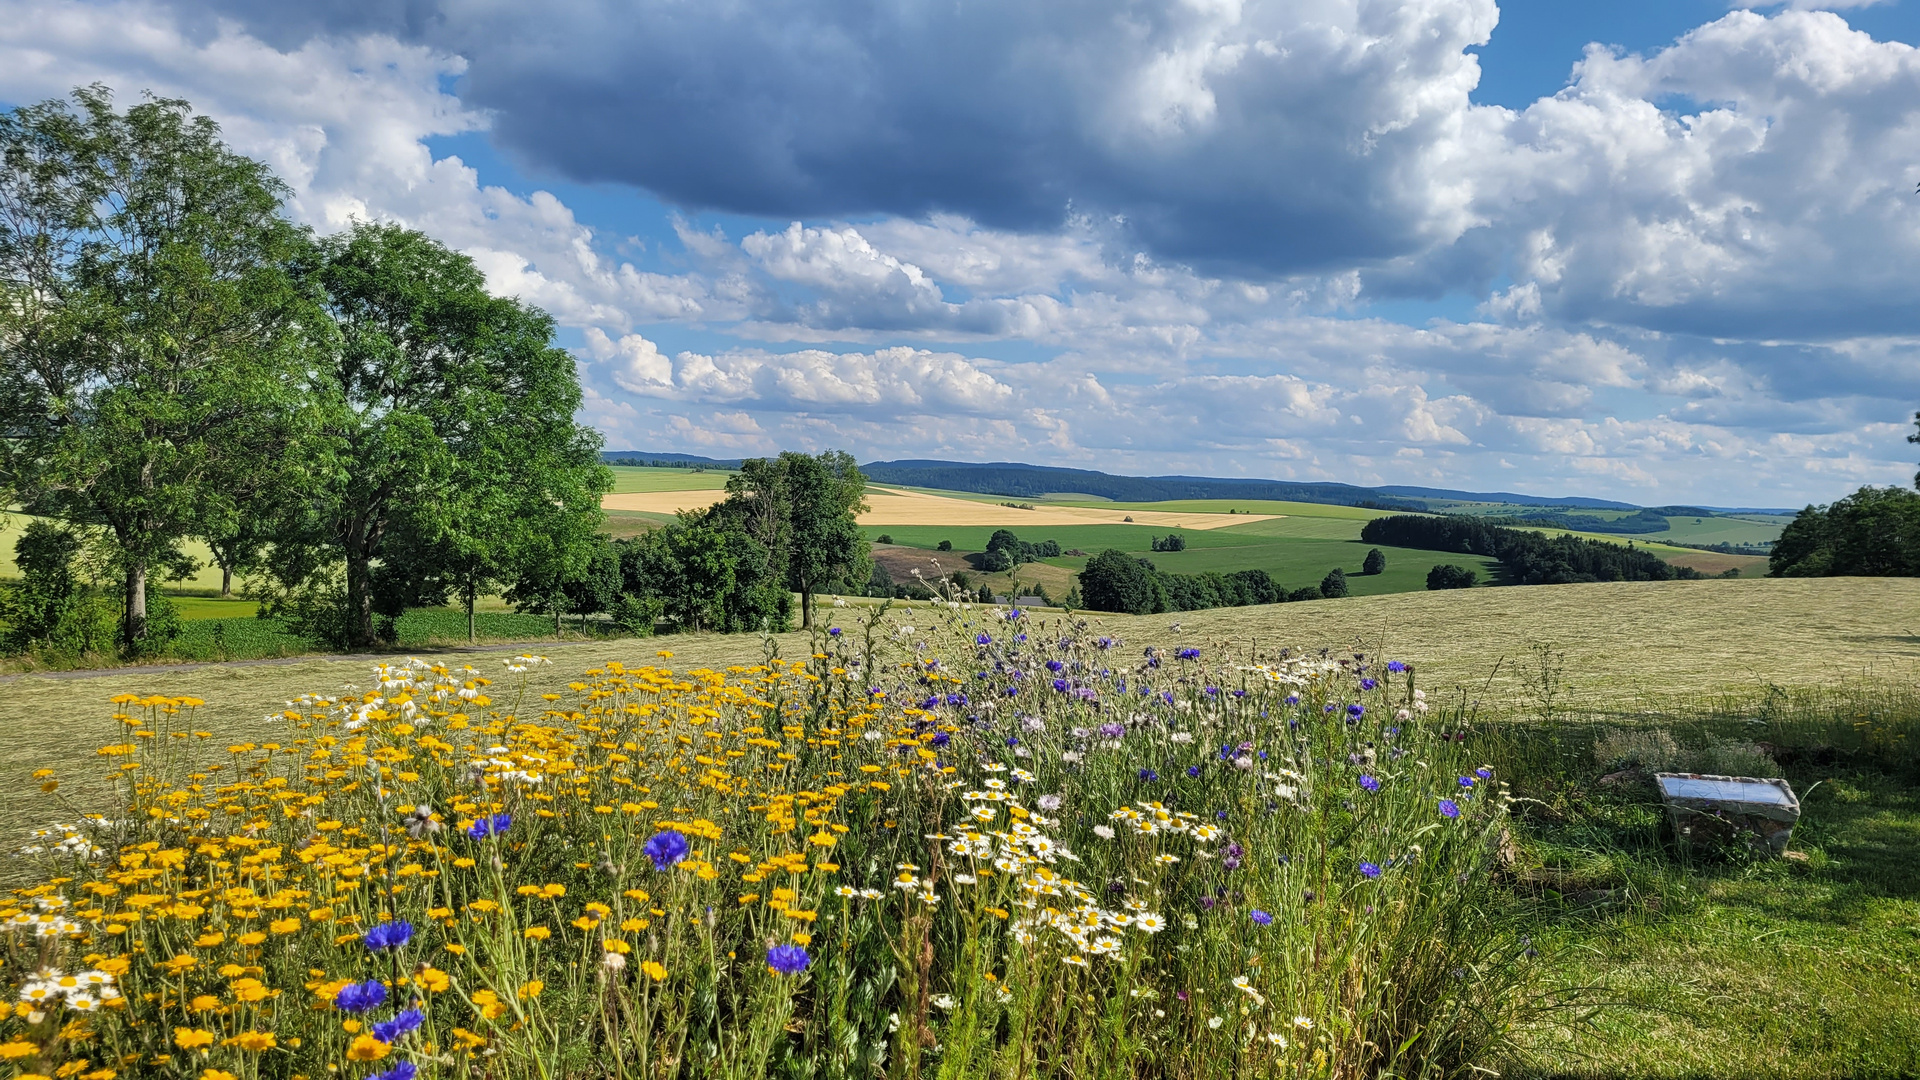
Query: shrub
x,y
1376,563
1334,584
883,538
1448,576
944,545
547,893
1116,581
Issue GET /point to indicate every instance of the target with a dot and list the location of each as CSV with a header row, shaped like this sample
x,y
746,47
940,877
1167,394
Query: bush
x,y
1448,576
1334,584
1172,542
944,545
1308,592
1376,563
883,538
1116,581
54,608
752,923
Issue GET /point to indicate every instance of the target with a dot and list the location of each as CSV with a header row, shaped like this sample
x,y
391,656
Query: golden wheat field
x,y
1629,644
897,506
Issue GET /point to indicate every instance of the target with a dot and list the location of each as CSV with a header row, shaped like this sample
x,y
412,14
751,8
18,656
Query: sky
x,y
1662,252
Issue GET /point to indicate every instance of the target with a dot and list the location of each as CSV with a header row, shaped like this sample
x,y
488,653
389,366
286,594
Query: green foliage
x,y
944,545
53,608
1874,532
1447,576
1118,582
1375,563
705,572
1334,585
801,509
151,315
1172,542
1528,558
883,538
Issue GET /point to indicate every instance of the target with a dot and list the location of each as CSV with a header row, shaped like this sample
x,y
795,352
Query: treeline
x,y
1027,481
1116,581
1875,532
1527,558
1651,520
1006,551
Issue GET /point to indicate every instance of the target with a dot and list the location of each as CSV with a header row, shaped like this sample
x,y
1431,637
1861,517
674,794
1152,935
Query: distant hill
x,y
1019,480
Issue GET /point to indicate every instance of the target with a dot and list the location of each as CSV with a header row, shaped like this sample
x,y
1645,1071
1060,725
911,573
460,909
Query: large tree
x,y
447,444
804,509
150,317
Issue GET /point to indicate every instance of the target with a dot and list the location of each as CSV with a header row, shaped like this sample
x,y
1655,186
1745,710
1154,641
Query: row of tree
x,y
1116,581
1874,532
1527,558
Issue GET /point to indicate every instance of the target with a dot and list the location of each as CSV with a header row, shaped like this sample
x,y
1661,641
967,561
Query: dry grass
x,y
898,506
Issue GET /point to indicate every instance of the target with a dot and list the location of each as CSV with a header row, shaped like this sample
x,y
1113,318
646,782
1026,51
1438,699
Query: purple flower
x,y
1054,665
1262,917
983,639
1356,711
1368,684
1396,666
404,1070
1060,685
389,1031
956,699
1483,773
1188,654
1012,690
1193,770
941,738
1449,808
1293,699
1369,870
788,959
833,631
1370,783
1112,730
1466,781
1149,774
388,935
490,826
666,849
360,997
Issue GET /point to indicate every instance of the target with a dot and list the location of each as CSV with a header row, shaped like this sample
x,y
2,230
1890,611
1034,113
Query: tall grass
x,y
987,847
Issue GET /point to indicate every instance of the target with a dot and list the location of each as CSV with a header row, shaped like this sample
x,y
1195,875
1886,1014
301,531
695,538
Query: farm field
x,y
1692,969
629,478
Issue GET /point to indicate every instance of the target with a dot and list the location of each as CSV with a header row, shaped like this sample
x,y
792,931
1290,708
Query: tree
x,y
150,315
1915,438
1874,532
1116,581
944,545
1447,576
883,538
447,428
705,572
1376,563
1334,584
803,509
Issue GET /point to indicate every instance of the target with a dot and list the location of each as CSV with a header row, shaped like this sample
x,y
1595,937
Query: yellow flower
x,y
532,988
654,971
254,1041
17,1048
434,980
616,945
217,1074
204,1003
209,940
457,949
250,991
539,933
802,938
284,926
366,1048
251,937
192,1038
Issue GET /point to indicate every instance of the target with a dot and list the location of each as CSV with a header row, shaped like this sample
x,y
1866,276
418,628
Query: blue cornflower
x,y
1293,699
1261,917
1013,740
1012,691
1060,685
788,959
1369,870
1013,613
1356,711
1213,691
1449,808
1193,770
1166,696
489,826
983,639
956,699
666,849
404,1070
389,935
1483,773
360,997
388,1031
1370,783
1149,774
941,738
1188,654
1054,665
1466,781
833,631
1368,684
1396,666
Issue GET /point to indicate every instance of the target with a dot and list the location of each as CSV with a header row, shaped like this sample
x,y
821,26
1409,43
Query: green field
x,y
630,478
1722,530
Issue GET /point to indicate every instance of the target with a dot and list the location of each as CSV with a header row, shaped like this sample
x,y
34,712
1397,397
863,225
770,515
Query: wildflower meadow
x,y
985,846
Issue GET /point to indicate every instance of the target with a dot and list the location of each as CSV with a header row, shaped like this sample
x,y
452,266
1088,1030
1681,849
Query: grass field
x,y
628,478
1689,968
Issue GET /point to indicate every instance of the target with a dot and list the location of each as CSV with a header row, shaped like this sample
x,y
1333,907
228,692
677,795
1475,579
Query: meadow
x,y
1650,962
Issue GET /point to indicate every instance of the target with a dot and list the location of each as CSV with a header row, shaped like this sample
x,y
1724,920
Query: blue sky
x,y
1435,242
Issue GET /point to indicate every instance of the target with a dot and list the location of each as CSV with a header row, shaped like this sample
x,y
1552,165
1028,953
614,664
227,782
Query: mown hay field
x,y
1629,645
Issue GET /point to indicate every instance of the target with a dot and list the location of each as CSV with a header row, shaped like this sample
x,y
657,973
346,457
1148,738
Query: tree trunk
x,y
806,607
359,586
133,626
226,582
470,591
556,619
